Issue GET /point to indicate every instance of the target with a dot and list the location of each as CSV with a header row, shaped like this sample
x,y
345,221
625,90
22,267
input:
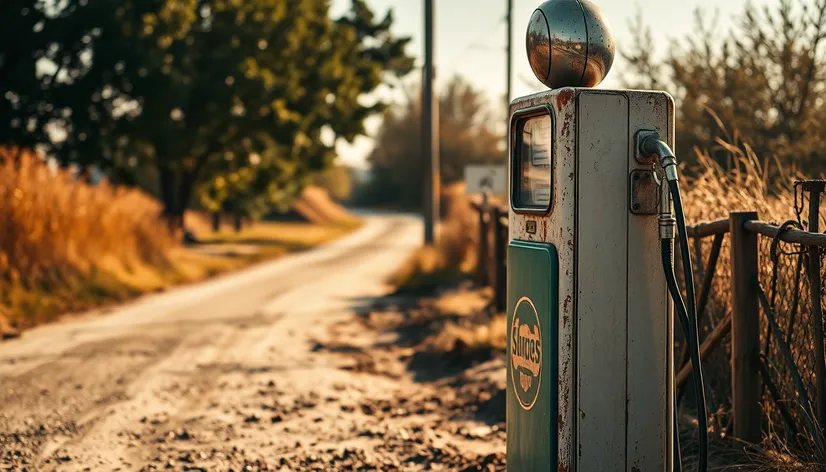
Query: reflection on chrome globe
x,y
569,44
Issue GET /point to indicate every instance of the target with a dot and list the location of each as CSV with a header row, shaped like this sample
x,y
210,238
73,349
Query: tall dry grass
x,y
746,182
712,191
56,230
454,255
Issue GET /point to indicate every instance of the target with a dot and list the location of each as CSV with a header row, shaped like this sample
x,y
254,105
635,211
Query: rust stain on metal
x,y
564,97
566,128
566,305
560,421
562,468
563,381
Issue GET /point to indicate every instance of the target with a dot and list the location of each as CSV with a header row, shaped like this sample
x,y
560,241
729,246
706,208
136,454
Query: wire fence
x,y
782,296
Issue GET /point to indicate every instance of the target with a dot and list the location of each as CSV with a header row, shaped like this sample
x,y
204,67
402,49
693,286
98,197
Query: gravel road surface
x,y
238,373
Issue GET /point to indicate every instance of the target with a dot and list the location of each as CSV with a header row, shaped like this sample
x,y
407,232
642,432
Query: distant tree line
x,y
223,102
760,84
466,136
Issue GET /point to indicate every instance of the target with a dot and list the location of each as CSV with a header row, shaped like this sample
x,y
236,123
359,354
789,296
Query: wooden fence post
x,y
483,254
814,188
745,331
500,243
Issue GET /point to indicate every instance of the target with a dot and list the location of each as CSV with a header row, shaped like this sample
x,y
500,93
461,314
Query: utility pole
x,y
509,67
430,131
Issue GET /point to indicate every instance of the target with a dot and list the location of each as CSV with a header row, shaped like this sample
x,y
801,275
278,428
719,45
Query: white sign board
x,y
490,179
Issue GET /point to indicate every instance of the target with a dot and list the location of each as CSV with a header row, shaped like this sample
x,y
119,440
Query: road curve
x,y
112,391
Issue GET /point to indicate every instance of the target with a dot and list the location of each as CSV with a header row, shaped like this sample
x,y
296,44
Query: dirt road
x,y
239,373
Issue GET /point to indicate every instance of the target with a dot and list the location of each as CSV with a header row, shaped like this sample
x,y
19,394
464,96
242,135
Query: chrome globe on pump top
x,y
590,262
570,44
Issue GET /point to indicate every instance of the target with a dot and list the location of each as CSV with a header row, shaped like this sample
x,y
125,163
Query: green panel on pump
x,y
533,286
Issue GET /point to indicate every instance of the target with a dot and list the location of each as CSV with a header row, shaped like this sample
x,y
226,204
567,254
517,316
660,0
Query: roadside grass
x,y
453,258
458,316
23,306
278,237
68,246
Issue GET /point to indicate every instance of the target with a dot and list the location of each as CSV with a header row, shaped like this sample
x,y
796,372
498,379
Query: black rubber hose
x,y
673,289
667,251
692,335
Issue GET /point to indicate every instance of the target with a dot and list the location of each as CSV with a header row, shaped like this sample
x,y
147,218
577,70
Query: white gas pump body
x,y
614,360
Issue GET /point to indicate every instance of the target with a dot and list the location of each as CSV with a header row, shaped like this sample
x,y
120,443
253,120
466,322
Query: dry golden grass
x,y
63,236
66,245
55,226
291,235
316,204
469,329
712,192
454,255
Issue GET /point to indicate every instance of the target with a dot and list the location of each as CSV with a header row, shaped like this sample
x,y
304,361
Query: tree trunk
x,y
238,222
185,188
172,210
176,191
216,221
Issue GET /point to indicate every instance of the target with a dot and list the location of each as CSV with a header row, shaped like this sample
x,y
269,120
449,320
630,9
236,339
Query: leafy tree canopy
x,y
228,98
760,83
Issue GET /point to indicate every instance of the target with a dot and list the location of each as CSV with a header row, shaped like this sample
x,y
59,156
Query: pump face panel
x,y
533,300
588,307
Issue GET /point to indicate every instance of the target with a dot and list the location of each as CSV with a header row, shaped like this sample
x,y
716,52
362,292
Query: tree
x,y
30,35
760,82
195,88
465,137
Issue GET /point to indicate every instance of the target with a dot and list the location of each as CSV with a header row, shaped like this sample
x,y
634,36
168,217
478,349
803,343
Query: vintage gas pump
x,y
590,367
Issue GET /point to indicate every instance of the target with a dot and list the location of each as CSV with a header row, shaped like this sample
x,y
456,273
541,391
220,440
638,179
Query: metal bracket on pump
x,y
645,191
590,326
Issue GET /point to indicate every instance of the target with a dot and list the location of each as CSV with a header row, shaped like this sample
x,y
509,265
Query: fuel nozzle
x,y
653,147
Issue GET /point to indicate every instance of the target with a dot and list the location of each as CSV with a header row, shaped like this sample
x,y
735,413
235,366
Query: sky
x,y
470,37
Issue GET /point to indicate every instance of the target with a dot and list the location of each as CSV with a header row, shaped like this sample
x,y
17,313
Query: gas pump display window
x,y
533,163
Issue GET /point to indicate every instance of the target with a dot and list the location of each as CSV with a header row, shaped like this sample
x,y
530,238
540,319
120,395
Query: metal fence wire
x,y
716,310
791,342
783,280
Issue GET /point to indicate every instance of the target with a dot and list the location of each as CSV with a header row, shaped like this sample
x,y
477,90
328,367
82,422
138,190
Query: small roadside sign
x,y
481,179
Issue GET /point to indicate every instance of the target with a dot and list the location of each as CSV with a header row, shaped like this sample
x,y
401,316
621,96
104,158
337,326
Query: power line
x,y
477,42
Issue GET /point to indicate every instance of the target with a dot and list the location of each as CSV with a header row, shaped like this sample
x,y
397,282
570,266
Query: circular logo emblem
x,y
526,353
